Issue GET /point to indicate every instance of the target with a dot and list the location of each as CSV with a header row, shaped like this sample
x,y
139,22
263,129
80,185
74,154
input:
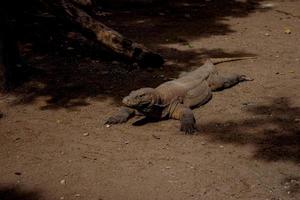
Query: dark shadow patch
x,y
273,129
72,69
16,193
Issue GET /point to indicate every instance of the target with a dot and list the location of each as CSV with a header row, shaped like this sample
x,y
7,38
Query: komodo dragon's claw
x,y
188,128
245,78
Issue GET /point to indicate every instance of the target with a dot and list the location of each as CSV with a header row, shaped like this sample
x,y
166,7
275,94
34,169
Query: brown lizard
x,y
175,99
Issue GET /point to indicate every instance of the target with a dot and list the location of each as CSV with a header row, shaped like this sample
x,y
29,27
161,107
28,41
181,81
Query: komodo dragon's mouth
x,y
140,106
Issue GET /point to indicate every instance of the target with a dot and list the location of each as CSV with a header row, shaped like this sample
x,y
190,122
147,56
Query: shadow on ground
x,y
70,70
16,193
178,20
274,130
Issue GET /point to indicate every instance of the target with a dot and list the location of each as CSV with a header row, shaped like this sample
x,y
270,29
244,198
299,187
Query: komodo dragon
x,y
174,99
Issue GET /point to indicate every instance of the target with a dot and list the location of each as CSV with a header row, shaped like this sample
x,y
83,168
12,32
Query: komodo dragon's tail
x,y
229,59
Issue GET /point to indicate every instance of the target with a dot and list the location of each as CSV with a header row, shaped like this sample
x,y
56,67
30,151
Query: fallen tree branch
x,y
111,39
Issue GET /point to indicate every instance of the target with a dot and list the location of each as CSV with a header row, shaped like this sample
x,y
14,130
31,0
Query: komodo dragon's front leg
x,y
180,112
122,116
181,109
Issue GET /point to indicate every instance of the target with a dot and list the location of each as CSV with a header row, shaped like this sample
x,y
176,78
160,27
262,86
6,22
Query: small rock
x,y
297,120
135,65
187,16
287,31
86,134
168,167
107,126
221,146
104,72
150,69
126,142
267,5
155,137
267,34
77,195
203,143
62,198
63,182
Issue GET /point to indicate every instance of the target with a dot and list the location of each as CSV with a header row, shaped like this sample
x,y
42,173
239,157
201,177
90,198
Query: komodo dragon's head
x,y
141,98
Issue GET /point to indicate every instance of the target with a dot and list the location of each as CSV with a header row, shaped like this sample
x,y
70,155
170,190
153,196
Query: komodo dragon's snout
x,y
140,98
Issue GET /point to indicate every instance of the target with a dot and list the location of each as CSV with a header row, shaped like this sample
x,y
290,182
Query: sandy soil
x,y
54,145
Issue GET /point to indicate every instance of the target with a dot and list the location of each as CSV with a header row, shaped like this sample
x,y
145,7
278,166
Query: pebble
x,y
155,136
77,195
107,125
221,146
267,5
126,142
115,62
63,182
287,31
187,16
86,134
62,198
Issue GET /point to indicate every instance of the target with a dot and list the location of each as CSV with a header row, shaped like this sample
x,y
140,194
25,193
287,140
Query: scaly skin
x,y
175,99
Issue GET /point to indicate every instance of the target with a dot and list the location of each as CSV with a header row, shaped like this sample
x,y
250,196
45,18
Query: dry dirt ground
x,y
54,145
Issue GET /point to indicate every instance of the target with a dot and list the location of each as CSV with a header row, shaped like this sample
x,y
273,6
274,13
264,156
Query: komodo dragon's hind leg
x,y
123,115
219,82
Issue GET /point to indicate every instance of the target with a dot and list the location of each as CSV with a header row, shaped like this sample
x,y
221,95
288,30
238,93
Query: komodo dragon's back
x,y
174,99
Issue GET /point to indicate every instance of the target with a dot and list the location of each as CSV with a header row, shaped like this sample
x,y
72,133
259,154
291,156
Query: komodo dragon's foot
x,y
188,126
121,116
